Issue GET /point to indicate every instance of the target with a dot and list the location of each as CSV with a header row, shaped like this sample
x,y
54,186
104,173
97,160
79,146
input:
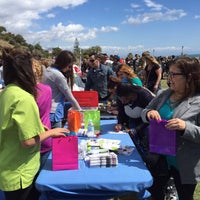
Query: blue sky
x,y
163,27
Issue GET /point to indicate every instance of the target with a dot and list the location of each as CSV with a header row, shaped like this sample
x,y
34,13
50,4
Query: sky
x,y
163,27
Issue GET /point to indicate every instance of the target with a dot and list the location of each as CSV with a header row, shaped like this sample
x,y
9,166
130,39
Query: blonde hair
x,y
128,70
45,62
151,59
38,70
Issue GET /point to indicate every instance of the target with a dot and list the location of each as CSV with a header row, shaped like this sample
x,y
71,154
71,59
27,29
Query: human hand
x,y
155,87
114,112
153,114
57,132
118,127
176,124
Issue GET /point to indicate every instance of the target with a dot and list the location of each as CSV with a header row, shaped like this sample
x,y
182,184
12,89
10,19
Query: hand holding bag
x,y
161,140
65,153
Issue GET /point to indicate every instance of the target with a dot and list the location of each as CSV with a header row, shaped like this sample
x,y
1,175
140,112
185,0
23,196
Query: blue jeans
x,y
56,124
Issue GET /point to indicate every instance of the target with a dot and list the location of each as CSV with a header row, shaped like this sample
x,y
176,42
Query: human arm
x,y
56,132
66,91
159,76
186,120
122,118
144,76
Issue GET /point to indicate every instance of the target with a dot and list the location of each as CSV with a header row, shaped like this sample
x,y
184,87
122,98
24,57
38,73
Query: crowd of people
x,y
37,95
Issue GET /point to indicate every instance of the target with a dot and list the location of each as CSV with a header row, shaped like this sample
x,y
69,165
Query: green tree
x,y
95,49
56,51
38,50
91,50
2,29
20,40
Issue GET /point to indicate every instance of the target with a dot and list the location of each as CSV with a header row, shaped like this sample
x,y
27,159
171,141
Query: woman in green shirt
x,y
21,130
125,72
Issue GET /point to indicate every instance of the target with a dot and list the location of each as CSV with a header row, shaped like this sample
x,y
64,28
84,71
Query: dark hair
x,y
92,54
190,67
113,82
17,69
64,59
69,75
126,89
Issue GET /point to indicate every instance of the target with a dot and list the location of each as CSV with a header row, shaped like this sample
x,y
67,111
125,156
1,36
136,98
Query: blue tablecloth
x,y
130,175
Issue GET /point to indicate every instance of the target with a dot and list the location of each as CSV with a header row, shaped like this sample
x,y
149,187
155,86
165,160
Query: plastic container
x,y
90,129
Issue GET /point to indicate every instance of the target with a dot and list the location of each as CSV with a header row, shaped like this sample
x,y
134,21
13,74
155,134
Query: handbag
x,y
156,163
140,137
65,153
161,140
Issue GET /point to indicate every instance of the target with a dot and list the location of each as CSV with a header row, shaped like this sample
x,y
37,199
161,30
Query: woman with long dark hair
x,y
54,77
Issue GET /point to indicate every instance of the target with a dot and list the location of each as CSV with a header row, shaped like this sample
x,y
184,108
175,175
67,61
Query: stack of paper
x,y
102,160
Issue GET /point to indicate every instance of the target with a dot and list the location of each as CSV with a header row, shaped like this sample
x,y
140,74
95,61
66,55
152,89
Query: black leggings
x,y
21,194
185,191
29,193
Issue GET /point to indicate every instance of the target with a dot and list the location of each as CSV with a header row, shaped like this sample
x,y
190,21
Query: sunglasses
x,y
91,60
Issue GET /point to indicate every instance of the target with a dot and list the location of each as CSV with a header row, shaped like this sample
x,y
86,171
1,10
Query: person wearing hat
x,y
152,73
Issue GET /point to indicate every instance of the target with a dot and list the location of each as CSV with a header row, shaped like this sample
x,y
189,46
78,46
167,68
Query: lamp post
x,y
80,58
153,52
182,50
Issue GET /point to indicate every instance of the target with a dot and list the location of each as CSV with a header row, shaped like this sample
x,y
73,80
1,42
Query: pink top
x,y
44,101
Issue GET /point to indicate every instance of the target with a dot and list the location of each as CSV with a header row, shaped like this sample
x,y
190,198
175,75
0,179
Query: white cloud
x,y
68,28
153,5
50,15
197,16
169,15
17,16
59,34
133,5
157,12
20,17
108,28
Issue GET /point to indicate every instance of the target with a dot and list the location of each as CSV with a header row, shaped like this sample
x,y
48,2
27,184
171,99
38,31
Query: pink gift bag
x,y
65,153
161,140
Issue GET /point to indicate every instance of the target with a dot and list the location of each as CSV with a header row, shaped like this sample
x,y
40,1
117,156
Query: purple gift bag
x,y
161,140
